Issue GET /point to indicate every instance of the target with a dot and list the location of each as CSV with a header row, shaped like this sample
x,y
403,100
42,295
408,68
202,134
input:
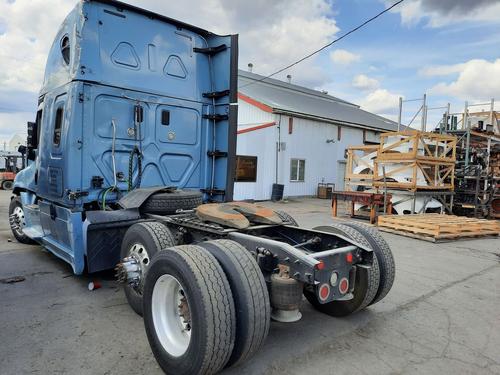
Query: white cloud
x,y
441,70
380,101
29,27
272,34
477,80
343,57
13,123
364,82
439,13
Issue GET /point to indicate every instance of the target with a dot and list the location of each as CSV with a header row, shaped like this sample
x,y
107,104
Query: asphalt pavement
x,y
441,317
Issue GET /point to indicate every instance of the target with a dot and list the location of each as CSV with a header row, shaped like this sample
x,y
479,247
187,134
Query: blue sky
x,y
449,49
397,54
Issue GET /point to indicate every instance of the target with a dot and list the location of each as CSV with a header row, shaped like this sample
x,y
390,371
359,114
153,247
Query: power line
x,y
327,45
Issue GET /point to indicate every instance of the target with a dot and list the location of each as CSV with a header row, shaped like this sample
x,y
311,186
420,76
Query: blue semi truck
x,y
131,163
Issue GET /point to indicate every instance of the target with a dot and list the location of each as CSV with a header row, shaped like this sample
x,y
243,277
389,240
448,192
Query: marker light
x,y
334,278
324,292
343,285
348,257
320,265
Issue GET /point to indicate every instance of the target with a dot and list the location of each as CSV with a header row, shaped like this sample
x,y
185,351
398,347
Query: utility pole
x,y
465,125
424,114
400,112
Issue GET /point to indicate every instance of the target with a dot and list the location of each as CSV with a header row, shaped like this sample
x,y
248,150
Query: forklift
x,y
10,165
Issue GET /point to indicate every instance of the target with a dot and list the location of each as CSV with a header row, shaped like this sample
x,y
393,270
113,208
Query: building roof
x,y
292,99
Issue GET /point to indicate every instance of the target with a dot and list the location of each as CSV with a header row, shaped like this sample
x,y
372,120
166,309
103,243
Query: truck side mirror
x,y
139,114
32,140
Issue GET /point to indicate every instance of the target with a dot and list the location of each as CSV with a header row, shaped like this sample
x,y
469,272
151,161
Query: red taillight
x,y
343,285
320,265
348,257
324,292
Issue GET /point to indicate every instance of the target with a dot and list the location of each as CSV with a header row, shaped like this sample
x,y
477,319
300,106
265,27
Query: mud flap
x,y
104,233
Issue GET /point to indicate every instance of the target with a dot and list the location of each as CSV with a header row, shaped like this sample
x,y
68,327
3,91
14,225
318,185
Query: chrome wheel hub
x,y
17,220
171,315
138,259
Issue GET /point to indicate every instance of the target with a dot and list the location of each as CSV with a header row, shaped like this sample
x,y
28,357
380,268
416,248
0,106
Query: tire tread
x,y
385,260
257,289
169,203
217,294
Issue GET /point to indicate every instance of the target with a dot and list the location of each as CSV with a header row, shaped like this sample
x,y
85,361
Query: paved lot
x,y
442,316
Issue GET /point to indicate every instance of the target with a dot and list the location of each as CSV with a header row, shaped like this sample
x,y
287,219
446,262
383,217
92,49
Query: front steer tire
x,y
251,298
366,284
153,237
16,221
210,305
170,202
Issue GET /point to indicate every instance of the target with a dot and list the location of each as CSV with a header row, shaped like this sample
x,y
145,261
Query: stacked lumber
x,y
438,227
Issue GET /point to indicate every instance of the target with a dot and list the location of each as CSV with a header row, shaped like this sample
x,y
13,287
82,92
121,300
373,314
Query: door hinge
x,y
217,154
210,50
216,94
212,192
216,117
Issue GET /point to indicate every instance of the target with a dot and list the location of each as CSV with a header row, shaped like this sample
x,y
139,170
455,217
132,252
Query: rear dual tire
x,y
250,295
228,307
366,283
210,312
143,241
384,256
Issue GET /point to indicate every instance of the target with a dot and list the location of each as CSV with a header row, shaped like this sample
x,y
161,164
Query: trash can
x,y
277,192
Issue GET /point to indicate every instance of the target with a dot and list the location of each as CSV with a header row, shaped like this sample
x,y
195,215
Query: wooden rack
x,y
428,155
354,160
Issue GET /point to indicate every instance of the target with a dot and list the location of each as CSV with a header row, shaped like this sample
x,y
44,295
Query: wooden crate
x,y
438,227
427,158
354,160
414,145
423,174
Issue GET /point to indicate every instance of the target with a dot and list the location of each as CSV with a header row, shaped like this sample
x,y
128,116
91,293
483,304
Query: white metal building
x,y
295,136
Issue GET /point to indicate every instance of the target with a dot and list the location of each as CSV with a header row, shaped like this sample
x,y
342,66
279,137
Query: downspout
x,y
278,149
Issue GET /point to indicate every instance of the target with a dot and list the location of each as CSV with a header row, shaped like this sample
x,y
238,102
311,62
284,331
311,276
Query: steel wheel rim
x,y
19,219
169,308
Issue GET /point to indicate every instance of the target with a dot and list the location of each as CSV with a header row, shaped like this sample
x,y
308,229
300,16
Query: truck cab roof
x,y
99,42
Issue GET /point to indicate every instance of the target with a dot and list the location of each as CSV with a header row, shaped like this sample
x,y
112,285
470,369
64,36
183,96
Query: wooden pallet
x,y
437,227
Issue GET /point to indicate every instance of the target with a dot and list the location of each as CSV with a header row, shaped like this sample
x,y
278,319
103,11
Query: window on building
x,y
339,133
290,125
297,170
246,168
58,126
